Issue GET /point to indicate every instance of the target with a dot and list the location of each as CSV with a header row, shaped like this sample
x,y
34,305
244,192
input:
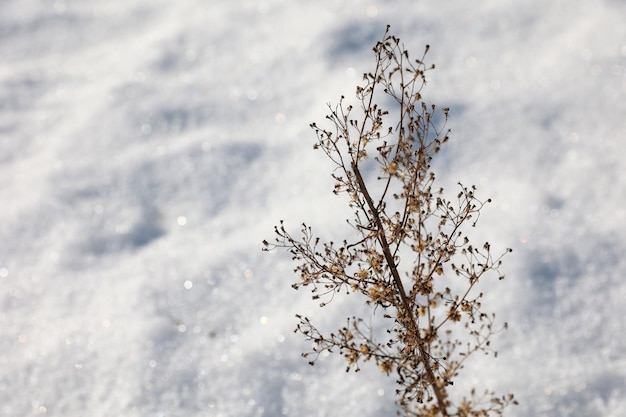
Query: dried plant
x,y
410,255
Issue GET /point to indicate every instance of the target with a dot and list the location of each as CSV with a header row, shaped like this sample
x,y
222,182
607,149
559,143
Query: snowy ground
x,y
148,147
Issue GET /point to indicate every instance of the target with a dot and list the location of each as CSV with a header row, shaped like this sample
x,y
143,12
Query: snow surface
x,y
148,147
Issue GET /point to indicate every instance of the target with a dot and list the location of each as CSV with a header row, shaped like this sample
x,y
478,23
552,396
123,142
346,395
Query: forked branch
x,y
409,255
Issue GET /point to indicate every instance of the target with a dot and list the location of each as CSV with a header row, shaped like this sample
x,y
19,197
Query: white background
x,y
148,147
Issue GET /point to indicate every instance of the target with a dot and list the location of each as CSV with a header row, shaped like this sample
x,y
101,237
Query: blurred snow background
x,y
148,147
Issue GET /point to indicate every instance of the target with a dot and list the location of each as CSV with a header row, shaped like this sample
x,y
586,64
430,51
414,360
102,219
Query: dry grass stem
x,y
409,256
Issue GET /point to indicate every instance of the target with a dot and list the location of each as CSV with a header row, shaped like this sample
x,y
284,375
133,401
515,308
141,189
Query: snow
x,y
148,147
